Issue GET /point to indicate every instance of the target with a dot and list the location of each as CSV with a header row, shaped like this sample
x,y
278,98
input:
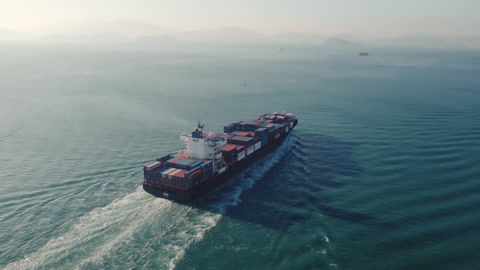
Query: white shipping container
x,y
167,172
241,155
250,149
173,171
287,129
153,165
291,124
258,145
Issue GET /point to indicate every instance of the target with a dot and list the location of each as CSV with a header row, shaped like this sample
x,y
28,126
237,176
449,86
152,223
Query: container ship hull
x,y
218,178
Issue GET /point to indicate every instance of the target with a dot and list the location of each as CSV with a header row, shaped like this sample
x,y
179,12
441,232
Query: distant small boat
x,y
363,53
280,49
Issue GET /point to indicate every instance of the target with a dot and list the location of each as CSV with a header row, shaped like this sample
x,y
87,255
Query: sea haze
x,y
381,172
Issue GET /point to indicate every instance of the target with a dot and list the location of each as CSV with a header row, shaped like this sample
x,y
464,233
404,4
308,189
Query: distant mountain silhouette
x,y
157,39
143,31
96,38
7,35
127,28
222,35
431,41
336,41
295,37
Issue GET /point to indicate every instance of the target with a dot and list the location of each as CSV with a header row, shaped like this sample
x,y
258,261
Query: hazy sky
x,y
373,17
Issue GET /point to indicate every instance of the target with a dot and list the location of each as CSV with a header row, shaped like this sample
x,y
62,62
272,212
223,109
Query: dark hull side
x,y
218,180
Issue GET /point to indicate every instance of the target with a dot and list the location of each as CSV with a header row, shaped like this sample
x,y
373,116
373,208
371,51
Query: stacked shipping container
x,y
240,140
183,163
184,178
265,129
244,138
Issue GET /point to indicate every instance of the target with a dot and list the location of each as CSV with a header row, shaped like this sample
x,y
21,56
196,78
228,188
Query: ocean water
x,y
381,172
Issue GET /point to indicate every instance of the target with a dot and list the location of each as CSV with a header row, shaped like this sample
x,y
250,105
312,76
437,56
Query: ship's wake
x,y
140,231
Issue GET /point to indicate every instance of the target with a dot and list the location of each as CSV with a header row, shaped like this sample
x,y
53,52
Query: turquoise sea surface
x,y
382,171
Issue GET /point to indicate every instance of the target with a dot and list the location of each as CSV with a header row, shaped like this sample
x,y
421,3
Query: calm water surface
x,y
381,172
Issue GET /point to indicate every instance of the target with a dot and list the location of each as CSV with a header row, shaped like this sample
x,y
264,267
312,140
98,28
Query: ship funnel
x,y
201,125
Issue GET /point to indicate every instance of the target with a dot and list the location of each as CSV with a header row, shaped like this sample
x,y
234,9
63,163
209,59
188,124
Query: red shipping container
x,y
240,133
179,174
196,174
228,147
150,163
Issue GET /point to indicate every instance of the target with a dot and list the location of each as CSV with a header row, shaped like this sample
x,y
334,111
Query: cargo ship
x,y
210,160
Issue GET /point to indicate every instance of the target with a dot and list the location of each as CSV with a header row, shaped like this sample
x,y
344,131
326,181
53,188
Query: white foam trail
x,y
247,180
119,219
103,232
230,195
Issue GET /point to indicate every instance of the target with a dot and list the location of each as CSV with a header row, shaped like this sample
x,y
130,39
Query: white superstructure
x,y
203,147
